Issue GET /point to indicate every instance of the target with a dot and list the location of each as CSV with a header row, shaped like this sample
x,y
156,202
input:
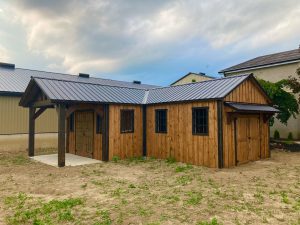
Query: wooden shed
x,y
214,123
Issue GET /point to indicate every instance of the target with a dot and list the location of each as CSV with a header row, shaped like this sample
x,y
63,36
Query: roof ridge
x,y
194,83
76,81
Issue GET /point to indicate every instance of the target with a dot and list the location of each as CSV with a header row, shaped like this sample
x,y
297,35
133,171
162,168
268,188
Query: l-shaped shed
x,y
215,123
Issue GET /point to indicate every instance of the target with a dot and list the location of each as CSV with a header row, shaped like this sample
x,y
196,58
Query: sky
x,y
155,41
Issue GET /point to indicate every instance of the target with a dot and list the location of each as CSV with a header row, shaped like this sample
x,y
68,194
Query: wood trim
x,y
220,133
43,103
235,141
144,130
105,133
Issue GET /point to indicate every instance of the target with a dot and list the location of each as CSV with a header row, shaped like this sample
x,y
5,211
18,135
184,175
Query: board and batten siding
x,y
125,145
247,92
14,118
179,142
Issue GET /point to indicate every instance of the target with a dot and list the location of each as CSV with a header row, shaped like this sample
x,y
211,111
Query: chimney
x,y
7,65
137,82
84,75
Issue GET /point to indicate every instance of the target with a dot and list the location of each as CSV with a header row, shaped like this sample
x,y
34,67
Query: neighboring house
x,y
14,119
273,67
191,78
215,123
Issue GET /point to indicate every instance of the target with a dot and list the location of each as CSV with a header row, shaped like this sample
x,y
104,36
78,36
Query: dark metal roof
x,y
197,74
265,60
16,80
209,89
78,91
251,107
70,91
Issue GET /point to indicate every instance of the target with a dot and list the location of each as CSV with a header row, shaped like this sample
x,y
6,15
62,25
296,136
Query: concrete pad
x,y
71,160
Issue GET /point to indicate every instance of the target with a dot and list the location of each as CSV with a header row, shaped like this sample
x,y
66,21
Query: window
x,y
127,121
71,124
200,121
161,121
98,124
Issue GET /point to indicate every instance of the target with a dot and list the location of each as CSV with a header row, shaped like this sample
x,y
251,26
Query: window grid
x,y
98,124
161,120
127,121
200,121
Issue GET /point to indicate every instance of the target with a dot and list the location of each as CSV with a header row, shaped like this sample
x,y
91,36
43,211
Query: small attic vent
x,y
137,82
7,65
84,75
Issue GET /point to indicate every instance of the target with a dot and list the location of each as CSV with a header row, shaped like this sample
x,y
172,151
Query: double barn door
x,y
248,136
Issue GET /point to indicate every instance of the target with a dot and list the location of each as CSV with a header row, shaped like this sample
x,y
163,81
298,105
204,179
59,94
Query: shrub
x,y
193,80
276,134
290,136
115,158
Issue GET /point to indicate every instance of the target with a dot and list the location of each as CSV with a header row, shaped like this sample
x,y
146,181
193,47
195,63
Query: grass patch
x,y
170,160
104,218
14,160
180,169
284,197
184,180
214,221
194,198
27,210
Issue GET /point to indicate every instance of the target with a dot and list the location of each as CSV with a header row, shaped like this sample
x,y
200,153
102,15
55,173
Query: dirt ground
x,y
137,191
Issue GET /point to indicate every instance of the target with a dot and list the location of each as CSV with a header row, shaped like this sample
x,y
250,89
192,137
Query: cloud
x,y
4,54
112,36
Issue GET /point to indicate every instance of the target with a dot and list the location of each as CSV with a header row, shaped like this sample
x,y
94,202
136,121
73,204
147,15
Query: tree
x,y
294,83
284,101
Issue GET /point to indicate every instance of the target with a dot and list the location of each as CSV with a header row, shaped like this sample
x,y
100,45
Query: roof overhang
x,y
227,72
252,108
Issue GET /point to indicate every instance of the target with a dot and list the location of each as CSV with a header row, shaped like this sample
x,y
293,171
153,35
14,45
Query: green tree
x,y
294,84
284,101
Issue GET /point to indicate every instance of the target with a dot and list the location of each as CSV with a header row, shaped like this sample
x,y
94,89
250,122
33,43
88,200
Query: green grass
x,y
27,210
104,218
214,221
194,198
184,180
170,160
184,168
14,160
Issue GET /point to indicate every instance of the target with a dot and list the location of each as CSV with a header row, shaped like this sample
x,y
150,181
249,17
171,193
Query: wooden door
x,y
248,139
84,129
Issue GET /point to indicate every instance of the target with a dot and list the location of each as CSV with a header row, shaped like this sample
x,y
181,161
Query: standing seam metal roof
x,y
74,91
16,80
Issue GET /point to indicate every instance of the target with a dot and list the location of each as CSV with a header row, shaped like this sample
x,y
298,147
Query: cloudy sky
x,y
154,41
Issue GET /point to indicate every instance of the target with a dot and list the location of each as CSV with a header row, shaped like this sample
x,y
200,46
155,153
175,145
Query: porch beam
x,y
39,112
31,132
43,103
61,110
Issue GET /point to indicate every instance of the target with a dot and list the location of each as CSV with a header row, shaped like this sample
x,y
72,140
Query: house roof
x,y
266,60
190,73
79,91
15,80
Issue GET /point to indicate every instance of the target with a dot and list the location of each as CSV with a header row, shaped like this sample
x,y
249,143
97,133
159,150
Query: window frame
x,y
122,131
157,121
194,121
72,122
99,123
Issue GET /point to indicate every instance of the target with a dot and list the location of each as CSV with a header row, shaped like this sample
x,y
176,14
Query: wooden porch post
x,y
31,132
61,110
105,133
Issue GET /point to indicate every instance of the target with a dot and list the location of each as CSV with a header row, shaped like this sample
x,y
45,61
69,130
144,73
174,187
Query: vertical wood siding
x,y
179,142
14,118
247,92
125,145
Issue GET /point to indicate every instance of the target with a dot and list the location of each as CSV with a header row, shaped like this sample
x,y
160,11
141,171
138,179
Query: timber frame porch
x,y
64,111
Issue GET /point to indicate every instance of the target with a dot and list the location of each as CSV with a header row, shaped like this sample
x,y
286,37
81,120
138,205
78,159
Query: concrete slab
x,y
71,160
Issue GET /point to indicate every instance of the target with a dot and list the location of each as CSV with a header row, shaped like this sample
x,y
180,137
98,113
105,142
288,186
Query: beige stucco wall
x,y
274,74
14,119
190,78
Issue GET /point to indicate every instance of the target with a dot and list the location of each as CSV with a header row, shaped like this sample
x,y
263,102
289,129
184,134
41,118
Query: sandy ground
x,y
152,192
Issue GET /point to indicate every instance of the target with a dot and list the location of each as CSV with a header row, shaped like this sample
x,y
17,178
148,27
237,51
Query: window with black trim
x,y
71,123
161,121
200,121
127,121
98,124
